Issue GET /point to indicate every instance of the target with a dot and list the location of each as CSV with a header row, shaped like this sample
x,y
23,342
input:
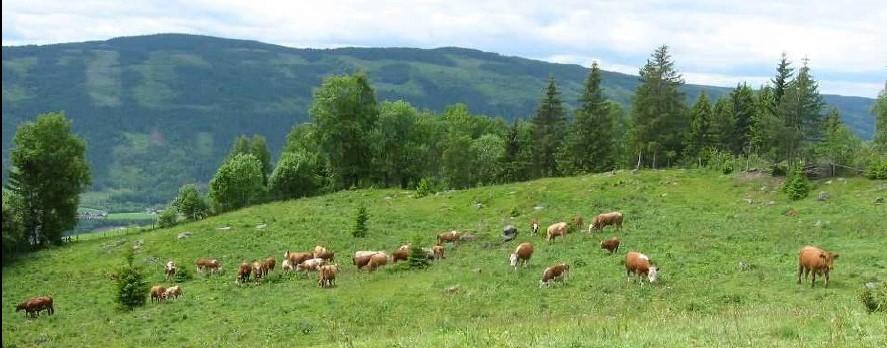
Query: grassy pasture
x,y
696,225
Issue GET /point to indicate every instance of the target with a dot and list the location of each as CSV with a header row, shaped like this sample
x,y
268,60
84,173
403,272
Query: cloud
x,y
720,42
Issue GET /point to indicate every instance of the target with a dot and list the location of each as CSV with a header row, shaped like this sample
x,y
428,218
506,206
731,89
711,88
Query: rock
x,y
262,226
743,266
387,198
138,244
478,205
828,182
871,285
791,212
748,200
509,232
771,202
225,228
183,235
538,207
453,289
823,196
663,195
820,224
879,200
477,270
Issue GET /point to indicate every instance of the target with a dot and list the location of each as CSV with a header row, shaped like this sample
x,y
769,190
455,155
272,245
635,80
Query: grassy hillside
x,y
697,226
160,111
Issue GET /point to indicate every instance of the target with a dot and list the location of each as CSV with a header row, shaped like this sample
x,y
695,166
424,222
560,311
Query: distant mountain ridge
x,y
161,110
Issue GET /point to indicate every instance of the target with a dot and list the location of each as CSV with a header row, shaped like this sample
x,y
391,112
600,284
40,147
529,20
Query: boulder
x,y
823,196
183,235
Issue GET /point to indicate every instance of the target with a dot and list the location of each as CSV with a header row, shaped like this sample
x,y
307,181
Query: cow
x,y
212,265
376,261
556,230
318,250
438,251
578,222
326,255
286,265
401,254
603,220
297,258
814,260
35,305
310,264
452,236
611,245
362,258
157,293
521,255
258,269
173,292
244,272
554,273
326,275
169,271
534,226
640,265
268,265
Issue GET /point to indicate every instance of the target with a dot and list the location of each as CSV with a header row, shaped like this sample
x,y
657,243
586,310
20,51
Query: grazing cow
x,y
326,275
212,265
326,255
157,293
318,250
578,222
438,251
268,265
606,219
169,270
556,230
817,261
401,254
297,258
310,264
376,261
521,255
452,236
173,292
362,258
534,226
554,273
611,245
640,265
286,265
34,305
244,272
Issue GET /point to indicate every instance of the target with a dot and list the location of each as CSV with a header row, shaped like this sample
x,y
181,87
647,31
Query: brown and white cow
x,y
212,265
33,306
611,245
318,250
243,273
814,260
157,293
607,219
310,264
173,292
326,275
534,226
297,257
556,230
578,222
640,265
452,236
169,271
558,272
438,251
286,265
376,261
401,254
362,258
521,255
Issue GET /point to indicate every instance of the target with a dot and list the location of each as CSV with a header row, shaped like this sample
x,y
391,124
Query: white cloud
x,y
711,41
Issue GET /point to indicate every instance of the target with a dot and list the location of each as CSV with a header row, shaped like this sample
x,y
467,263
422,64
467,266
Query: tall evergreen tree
x,y
590,143
659,112
743,101
801,109
49,171
784,72
880,111
766,127
549,122
839,144
517,160
700,136
723,124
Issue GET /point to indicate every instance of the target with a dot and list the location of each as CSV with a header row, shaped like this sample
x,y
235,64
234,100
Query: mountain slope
x,y
695,225
161,110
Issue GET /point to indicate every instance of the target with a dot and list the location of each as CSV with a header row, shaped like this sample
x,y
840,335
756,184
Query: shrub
x,y
876,169
424,188
796,186
182,275
418,259
131,286
360,223
168,217
190,204
874,298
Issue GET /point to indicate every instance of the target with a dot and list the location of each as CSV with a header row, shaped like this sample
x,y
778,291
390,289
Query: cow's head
x,y
513,259
652,273
829,259
21,306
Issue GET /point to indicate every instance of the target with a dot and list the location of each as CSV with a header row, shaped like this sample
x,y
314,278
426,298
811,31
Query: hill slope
x,y
696,226
160,111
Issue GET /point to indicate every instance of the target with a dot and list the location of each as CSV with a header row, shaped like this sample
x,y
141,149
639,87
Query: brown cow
x,y
34,305
157,292
640,265
362,258
534,226
326,275
603,220
318,250
169,271
611,245
212,265
452,236
521,255
554,273
297,258
401,254
269,264
174,292
556,230
244,272
376,261
814,260
438,251
326,255
578,222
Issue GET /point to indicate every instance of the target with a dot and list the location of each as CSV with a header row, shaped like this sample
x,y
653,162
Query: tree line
x,y
353,141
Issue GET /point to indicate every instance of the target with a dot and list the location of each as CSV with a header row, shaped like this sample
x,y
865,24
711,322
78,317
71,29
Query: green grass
x,y
695,225
131,216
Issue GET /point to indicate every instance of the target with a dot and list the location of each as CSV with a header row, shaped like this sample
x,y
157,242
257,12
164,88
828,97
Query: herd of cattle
x,y
321,260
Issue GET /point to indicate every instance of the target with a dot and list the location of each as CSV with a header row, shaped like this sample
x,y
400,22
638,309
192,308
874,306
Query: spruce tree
x,y
700,136
839,144
517,161
784,73
549,122
132,289
360,223
722,127
590,143
766,127
880,111
417,259
801,109
659,111
743,103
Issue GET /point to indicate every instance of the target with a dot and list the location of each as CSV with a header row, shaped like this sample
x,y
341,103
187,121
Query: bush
x,y
876,169
360,223
875,298
190,204
796,186
131,286
168,217
424,188
721,161
418,259
182,275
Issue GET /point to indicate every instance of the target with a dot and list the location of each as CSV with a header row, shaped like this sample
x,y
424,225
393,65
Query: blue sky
x,y
714,42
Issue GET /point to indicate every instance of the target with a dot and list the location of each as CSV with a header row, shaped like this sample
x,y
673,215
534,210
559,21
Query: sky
x,y
713,42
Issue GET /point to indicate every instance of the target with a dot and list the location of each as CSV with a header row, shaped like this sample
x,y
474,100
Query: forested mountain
x,y
162,110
